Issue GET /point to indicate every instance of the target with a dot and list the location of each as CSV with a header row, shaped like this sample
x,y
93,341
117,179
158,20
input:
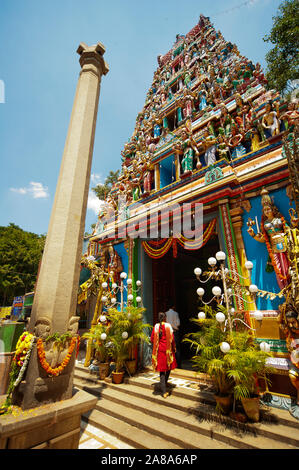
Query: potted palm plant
x,y
101,346
119,324
247,365
210,359
126,330
119,355
136,334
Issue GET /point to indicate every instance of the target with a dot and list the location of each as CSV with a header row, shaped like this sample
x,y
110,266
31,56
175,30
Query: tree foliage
x,y
282,59
20,253
102,190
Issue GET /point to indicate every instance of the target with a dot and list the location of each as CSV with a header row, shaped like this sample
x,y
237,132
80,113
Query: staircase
x,y
135,412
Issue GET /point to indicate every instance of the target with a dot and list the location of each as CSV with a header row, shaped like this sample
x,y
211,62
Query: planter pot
x,y
132,366
103,370
252,408
223,403
117,377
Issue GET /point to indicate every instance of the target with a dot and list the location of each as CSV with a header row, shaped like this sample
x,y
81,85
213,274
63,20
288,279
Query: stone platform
x,y
51,426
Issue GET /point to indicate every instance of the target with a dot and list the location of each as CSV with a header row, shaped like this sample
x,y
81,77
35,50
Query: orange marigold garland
x,y
46,366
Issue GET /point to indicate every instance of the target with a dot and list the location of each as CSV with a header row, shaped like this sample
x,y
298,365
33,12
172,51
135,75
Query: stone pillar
x,y
177,167
55,299
157,177
233,261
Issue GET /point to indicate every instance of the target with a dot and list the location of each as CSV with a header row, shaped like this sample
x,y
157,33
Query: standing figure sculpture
x,y
273,228
209,144
270,121
188,147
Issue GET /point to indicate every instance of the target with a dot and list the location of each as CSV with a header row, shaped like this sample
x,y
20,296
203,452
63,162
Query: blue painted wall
x,y
167,171
257,252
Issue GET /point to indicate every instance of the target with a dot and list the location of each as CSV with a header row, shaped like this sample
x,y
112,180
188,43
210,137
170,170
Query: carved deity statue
x,y
273,228
270,121
188,147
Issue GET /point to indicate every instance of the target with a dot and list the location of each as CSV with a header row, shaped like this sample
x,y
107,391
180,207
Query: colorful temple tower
x,y
212,148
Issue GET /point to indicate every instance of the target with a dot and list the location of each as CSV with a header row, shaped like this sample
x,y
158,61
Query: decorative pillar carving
x,y
157,177
231,249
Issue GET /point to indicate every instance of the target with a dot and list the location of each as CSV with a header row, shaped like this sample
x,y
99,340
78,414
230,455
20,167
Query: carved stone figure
x,y
273,228
270,121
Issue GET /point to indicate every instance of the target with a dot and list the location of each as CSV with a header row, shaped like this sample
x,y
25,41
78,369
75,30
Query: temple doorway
x,y
174,278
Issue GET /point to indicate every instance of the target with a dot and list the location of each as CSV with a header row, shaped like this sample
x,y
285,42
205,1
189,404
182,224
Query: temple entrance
x,y
174,278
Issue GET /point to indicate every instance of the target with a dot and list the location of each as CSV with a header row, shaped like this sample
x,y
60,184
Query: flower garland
x,y
46,366
276,268
24,344
157,249
22,360
19,365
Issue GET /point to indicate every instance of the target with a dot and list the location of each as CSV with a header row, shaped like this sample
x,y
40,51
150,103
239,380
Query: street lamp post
x,y
223,273
110,300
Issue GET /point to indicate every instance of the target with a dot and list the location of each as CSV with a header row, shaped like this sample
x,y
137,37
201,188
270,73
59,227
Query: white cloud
x,y
96,178
94,203
35,189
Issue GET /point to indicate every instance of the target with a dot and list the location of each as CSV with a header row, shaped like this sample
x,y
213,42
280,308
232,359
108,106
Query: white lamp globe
x,y
114,285
200,291
197,271
225,347
138,283
104,298
253,288
123,275
226,270
102,318
113,300
103,336
104,285
265,346
212,261
248,265
138,299
258,315
124,335
220,317
201,315
129,282
130,297
220,256
216,291
232,310
229,291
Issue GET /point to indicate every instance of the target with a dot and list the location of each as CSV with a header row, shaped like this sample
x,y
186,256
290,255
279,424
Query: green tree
x,y
283,59
20,253
102,190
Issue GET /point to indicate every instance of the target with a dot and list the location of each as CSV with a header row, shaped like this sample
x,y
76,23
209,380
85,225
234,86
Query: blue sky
x,y
39,71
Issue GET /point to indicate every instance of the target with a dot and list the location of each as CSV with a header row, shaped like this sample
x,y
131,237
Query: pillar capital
x,y
91,58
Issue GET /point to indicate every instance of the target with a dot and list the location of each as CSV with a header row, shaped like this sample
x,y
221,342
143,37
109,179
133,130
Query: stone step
x,y
184,416
136,438
197,395
146,381
148,429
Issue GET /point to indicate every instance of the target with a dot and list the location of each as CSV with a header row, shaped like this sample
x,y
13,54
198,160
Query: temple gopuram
x,y
215,148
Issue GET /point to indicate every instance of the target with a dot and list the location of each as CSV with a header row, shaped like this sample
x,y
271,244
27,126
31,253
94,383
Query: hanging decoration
x,y
158,248
18,368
